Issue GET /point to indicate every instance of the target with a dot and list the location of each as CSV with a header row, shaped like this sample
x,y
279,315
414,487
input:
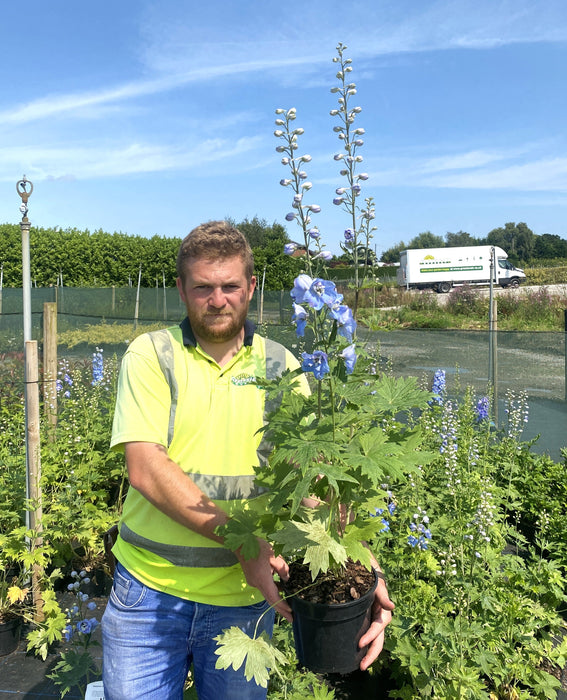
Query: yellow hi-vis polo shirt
x,y
171,393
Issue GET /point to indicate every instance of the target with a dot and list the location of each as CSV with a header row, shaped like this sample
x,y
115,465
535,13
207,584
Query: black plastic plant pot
x,y
326,636
9,635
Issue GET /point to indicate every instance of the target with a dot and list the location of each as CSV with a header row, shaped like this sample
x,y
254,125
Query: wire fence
x,y
530,362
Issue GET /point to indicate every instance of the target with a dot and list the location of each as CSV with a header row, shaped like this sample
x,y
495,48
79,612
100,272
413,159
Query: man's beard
x,y
207,326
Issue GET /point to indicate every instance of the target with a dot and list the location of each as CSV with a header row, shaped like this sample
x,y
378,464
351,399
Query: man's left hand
x,y
381,616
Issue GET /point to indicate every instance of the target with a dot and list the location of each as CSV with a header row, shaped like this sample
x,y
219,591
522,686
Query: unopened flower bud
x,y
280,111
339,156
337,129
340,75
280,122
298,132
334,89
344,172
306,158
334,112
278,133
290,216
362,176
358,142
302,175
315,208
285,161
359,159
338,200
298,197
280,149
306,185
340,190
359,131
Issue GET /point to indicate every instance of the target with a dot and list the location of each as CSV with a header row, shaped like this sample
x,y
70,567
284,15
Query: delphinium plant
x,y
473,619
333,447
76,666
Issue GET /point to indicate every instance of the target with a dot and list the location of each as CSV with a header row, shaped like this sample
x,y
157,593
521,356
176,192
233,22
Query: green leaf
x,y
398,394
240,533
235,648
317,544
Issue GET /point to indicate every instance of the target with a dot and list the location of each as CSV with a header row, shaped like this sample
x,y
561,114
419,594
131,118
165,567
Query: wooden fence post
x,y
34,466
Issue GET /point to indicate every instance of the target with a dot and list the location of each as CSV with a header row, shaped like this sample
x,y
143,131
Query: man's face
x,y
217,294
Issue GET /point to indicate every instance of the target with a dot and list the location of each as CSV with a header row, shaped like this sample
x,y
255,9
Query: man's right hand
x,y
259,572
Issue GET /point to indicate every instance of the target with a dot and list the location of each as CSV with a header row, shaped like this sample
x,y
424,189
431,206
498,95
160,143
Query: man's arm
x,y
159,479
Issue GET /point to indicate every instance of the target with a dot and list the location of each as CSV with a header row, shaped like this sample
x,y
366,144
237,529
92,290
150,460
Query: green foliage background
x,y
101,259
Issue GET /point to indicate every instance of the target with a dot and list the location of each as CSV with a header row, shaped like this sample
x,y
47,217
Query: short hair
x,y
215,240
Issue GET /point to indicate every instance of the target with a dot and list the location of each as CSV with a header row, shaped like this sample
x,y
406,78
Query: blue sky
x,y
150,117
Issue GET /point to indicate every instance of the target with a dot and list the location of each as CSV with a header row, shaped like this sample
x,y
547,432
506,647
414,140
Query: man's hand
x,y
381,616
259,572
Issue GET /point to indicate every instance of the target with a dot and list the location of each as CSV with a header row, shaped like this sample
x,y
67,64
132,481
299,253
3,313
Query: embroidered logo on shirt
x,y
243,379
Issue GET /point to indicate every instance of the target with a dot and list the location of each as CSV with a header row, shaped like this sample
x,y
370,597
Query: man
x,y
187,416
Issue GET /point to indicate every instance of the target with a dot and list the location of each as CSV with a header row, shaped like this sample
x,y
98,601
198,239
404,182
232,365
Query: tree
x,y
259,234
550,246
392,255
426,240
517,240
461,238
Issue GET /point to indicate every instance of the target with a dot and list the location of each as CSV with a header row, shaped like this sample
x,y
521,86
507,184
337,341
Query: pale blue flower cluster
x,y
321,296
482,409
438,387
419,526
65,381
98,367
389,511
77,621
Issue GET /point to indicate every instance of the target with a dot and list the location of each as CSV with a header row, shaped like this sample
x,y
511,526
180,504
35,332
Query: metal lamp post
x,y
31,380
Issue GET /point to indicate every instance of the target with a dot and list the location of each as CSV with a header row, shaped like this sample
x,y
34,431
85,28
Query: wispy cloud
x,y
540,175
95,162
388,28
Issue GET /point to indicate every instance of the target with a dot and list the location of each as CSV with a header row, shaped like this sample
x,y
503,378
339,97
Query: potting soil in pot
x,y
330,616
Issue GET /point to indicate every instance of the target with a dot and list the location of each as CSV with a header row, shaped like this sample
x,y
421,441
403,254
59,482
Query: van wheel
x,y
444,287
514,282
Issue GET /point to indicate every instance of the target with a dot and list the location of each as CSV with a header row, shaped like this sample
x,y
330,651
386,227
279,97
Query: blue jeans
x,y
150,639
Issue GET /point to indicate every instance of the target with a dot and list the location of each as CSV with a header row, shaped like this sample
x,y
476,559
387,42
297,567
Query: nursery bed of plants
x,y
470,621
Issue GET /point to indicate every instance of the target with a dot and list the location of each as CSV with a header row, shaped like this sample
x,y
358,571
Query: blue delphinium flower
x,y
346,325
301,285
438,387
419,526
482,409
349,356
320,293
98,367
377,513
316,362
289,248
300,319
